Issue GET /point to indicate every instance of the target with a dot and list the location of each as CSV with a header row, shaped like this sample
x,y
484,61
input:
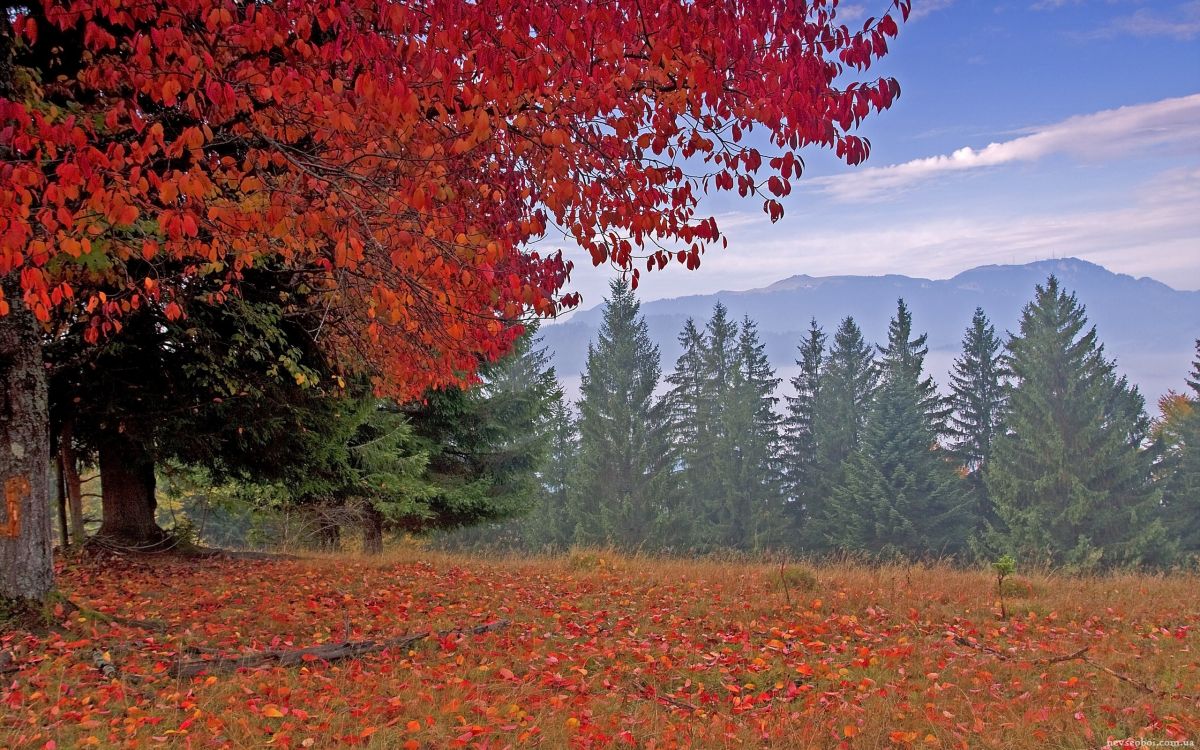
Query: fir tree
x,y
707,466
689,414
487,443
904,356
977,401
800,440
1193,380
551,525
900,494
710,472
686,397
1178,444
726,432
847,384
624,477
1069,477
751,512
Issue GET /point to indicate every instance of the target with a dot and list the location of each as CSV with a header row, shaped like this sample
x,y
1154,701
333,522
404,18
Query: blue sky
x,y
1025,130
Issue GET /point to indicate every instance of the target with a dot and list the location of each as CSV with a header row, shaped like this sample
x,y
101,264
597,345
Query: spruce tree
x,y
901,493
624,477
726,433
551,524
707,468
750,514
689,414
687,381
1193,380
1069,477
487,443
977,401
1178,442
800,440
847,384
904,356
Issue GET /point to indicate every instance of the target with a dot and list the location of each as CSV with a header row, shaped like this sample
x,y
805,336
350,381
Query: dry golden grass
x,y
606,650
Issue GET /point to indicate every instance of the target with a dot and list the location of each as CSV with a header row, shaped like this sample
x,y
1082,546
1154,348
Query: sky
x,y
1025,130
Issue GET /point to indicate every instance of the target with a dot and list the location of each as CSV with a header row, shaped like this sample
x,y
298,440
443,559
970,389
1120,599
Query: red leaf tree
x,y
401,155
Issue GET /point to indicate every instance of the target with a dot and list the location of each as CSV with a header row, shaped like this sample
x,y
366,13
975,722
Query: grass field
x,y
608,651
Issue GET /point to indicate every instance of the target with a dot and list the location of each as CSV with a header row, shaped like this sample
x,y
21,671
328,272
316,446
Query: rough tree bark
x,y
372,530
127,487
74,487
329,535
26,536
58,488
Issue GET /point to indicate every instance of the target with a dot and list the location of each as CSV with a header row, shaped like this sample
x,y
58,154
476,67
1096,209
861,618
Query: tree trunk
x,y
59,486
127,489
26,536
372,530
74,487
329,534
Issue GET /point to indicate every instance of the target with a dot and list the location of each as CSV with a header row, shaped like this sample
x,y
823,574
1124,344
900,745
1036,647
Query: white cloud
x,y
848,13
1156,234
1053,4
1182,22
1102,135
922,8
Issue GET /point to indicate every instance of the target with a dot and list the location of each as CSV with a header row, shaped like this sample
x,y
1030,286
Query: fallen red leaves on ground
x,y
603,653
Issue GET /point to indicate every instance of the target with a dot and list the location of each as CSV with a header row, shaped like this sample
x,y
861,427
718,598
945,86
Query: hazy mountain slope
x,y
1149,327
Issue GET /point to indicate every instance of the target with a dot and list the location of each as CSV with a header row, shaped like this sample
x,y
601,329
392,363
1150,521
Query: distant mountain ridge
x,y
1146,325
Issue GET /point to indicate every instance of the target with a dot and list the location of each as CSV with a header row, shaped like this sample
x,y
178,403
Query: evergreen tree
x,y
752,512
687,381
551,524
977,401
726,432
689,414
978,395
1193,380
488,446
1069,477
904,356
372,464
1178,444
625,459
900,493
709,472
847,385
458,458
799,426
702,388
486,443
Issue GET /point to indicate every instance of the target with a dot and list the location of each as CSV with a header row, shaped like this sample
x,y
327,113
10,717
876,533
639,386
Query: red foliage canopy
x,y
403,154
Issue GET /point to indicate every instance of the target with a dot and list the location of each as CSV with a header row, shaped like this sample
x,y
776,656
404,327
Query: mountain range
x,y
1148,327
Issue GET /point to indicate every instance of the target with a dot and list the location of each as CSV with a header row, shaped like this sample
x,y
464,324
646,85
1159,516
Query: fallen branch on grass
x,y
650,692
1080,655
1009,657
70,607
104,663
1141,685
326,652
235,554
1065,657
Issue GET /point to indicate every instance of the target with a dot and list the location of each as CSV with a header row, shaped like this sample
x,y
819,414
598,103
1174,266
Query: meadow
x,y
600,650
